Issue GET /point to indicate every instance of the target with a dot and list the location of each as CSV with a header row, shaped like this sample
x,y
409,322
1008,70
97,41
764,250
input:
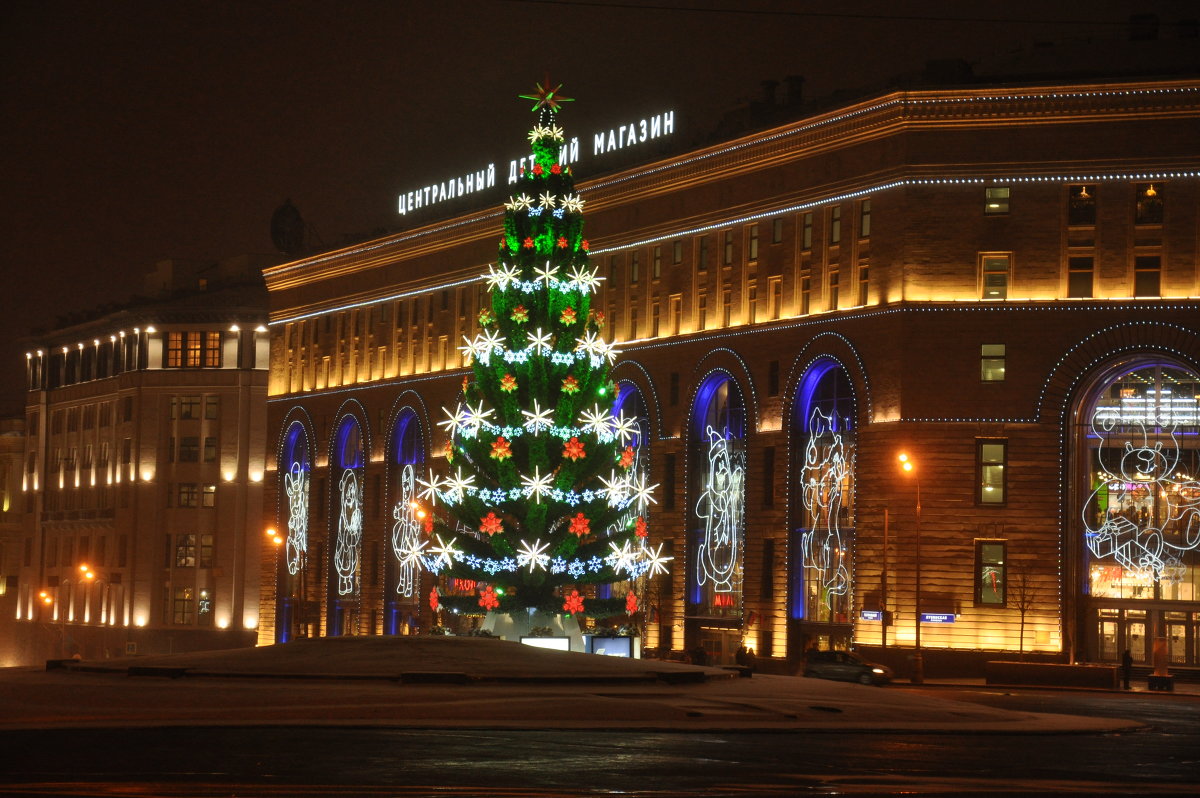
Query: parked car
x,y
845,666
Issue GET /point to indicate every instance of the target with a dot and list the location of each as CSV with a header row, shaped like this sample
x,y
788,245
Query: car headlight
x,y
876,670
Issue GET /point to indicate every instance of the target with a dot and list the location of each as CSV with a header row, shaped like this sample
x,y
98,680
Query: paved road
x,y
1163,758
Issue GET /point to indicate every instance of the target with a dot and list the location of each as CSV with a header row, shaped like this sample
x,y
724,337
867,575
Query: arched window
x,y
823,439
295,468
1137,441
347,518
717,462
406,450
630,404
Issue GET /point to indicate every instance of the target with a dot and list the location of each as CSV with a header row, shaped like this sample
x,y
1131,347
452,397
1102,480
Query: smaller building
x,y
140,473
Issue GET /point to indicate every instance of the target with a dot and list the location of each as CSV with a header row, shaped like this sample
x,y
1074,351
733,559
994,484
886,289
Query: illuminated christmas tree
x,y
541,495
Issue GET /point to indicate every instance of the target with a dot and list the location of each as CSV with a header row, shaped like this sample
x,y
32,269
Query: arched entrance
x,y
716,518
406,451
824,430
294,616
346,522
1136,518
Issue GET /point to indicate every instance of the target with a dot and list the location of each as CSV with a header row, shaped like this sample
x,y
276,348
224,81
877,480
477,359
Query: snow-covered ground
x,y
384,681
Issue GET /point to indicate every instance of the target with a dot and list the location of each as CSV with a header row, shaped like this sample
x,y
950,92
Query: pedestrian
x,y
1127,668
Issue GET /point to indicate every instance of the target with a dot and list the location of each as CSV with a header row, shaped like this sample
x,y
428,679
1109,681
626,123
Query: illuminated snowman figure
x,y
349,535
721,509
1159,515
825,472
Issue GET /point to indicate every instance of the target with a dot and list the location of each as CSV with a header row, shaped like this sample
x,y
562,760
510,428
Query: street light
x,y
918,676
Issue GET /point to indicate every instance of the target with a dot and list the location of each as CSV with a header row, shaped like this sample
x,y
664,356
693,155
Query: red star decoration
x,y
519,314
573,449
428,524
501,449
584,245
599,318
490,524
579,525
465,382
562,242
639,528
528,243
630,603
508,383
574,602
433,599
487,598
626,457
568,316
556,169
448,450
537,169
570,384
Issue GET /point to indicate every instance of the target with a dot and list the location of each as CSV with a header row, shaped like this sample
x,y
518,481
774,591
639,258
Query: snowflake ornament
x,y
488,599
580,525
501,449
573,603
490,524
573,449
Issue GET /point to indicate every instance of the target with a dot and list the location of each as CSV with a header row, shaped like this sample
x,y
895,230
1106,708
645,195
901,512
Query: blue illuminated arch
x,y
823,442
716,517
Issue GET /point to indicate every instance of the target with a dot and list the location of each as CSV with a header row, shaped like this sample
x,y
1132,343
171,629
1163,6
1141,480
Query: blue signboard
x,y
871,615
937,617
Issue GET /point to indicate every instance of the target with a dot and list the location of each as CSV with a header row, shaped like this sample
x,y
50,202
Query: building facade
x,y
141,477
998,283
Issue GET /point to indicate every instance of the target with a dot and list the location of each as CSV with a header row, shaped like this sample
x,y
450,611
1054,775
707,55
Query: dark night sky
x,y
135,131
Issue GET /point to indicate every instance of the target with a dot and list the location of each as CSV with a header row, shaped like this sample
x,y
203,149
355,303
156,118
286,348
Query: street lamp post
x,y
918,676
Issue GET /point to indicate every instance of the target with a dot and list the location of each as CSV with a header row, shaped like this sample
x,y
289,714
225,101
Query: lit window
x,y
185,551
656,263
835,224
677,252
635,268
991,572
991,455
182,606
702,253
995,200
994,276
752,243
1081,206
728,253
208,497
806,232
991,362
1149,204
777,230
864,219
833,289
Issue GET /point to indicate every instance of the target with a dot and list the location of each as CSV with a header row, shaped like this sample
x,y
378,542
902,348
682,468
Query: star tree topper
x,y
546,97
